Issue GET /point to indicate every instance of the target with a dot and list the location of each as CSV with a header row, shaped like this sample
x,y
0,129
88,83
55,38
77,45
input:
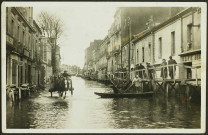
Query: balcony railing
x,y
162,72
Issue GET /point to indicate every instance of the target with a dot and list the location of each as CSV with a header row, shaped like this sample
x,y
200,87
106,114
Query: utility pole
x,y
121,59
53,53
129,63
55,69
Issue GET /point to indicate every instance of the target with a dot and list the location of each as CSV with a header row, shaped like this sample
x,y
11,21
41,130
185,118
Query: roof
x,y
36,25
16,10
141,35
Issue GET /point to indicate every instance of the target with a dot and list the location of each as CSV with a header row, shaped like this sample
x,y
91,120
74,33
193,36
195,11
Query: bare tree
x,y
58,27
50,24
52,28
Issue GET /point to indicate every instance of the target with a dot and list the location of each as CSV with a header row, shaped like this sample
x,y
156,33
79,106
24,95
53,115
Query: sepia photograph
x,y
103,67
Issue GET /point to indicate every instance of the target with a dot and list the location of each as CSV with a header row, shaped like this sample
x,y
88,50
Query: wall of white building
x,y
146,45
165,34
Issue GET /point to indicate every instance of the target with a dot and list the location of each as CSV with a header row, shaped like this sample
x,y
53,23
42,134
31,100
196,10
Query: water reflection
x,y
86,110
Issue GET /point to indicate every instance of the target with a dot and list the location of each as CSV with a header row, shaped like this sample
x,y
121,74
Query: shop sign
x,y
26,52
9,40
191,57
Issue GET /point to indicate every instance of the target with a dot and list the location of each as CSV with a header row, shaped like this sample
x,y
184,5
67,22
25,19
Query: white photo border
x,y
107,4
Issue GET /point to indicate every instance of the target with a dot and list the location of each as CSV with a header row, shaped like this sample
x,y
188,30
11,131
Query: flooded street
x,y
86,110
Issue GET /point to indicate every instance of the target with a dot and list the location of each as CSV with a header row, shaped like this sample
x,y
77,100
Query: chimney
x,y
150,23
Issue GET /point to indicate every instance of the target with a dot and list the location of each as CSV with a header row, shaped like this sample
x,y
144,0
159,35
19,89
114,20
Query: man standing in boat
x,y
137,83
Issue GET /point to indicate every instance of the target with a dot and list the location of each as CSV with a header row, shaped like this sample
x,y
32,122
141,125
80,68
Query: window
x,y
29,45
14,72
35,47
29,74
26,73
18,33
132,51
173,43
142,54
150,52
137,56
20,80
23,37
112,66
12,27
188,70
45,53
160,48
189,36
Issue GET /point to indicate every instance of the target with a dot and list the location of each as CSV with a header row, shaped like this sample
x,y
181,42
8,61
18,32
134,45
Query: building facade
x,y
19,45
92,54
129,21
37,73
166,32
28,53
46,57
102,71
173,37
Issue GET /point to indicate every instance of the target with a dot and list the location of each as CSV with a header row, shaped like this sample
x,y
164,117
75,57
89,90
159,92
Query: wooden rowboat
x,y
124,95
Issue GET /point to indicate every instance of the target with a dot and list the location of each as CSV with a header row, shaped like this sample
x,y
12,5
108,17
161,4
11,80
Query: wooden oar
x,y
115,87
128,88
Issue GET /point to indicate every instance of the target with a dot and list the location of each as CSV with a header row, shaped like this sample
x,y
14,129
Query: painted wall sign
x,y
26,52
191,57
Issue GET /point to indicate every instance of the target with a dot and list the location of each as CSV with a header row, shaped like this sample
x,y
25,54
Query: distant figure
x,y
149,71
65,74
67,79
137,82
170,62
164,69
141,73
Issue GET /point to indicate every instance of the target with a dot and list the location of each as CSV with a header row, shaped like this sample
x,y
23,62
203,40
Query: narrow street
x,y
86,110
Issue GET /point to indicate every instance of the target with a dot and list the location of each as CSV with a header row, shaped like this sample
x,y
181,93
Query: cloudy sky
x,y
82,24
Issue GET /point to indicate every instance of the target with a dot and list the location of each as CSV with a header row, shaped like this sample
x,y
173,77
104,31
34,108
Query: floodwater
x,y
85,110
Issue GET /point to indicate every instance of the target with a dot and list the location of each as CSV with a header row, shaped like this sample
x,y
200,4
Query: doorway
x,y
188,70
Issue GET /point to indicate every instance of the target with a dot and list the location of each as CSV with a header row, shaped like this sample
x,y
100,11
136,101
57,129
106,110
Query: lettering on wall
x,y
191,57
